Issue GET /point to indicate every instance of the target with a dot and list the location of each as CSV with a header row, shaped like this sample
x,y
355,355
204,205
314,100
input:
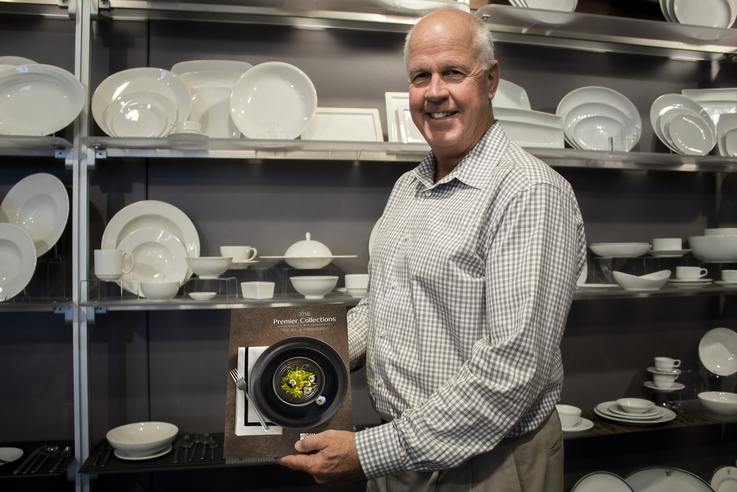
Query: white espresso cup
x,y
110,264
729,275
666,364
569,415
690,272
665,380
667,244
238,253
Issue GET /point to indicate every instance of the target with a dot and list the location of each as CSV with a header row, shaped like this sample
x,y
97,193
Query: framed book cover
x,y
295,363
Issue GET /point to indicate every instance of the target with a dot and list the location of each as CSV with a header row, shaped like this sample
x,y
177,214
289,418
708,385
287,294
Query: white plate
x,y
631,130
665,9
716,102
151,213
665,479
691,134
16,60
510,95
241,265
654,370
137,119
130,83
202,296
400,127
38,204
600,133
211,92
532,135
727,134
667,107
582,425
273,100
617,411
351,124
144,103
601,95
601,482
408,131
718,351
676,386
724,479
17,260
156,454
8,455
710,13
666,253
601,410
38,99
698,281
561,5
597,286
158,255
619,250
210,66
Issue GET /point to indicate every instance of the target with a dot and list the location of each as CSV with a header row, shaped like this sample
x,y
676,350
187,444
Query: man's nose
x,y
437,88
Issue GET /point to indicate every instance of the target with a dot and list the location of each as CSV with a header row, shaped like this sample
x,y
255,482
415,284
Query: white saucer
x,y
666,253
241,265
156,454
693,281
726,283
602,411
202,296
596,286
724,479
655,370
618,411
582,425
675,387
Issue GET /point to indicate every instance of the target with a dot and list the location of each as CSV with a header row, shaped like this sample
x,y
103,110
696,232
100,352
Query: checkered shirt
x,y
471,281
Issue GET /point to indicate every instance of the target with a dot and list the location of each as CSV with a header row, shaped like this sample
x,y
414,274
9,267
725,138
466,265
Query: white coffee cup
x,y
109,263
569,415
664,380
729,275
666,364
356,281
667,244
238,253
690,272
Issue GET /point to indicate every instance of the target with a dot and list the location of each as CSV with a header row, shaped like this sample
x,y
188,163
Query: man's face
x,y
449,92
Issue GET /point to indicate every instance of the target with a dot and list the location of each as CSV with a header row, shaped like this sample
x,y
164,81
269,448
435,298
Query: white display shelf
x,y
36,306
14,145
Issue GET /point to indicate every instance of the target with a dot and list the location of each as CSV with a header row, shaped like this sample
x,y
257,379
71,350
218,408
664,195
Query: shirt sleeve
x,y
358,326
532,263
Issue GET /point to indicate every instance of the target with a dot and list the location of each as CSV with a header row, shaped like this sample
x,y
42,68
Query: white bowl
x,y
257,290
721,231
159,291
314,287
209,266
357,281
635,405
620,250
714,248
568,414
651,281
142,438
202,296
357,292
719,402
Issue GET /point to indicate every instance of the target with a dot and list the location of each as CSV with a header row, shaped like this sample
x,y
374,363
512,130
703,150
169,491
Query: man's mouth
x,y
442,114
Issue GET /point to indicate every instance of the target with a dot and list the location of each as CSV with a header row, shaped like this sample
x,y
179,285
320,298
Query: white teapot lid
x,y
308,248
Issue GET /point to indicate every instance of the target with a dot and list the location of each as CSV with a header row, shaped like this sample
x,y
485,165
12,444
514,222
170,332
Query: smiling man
x,y
472,276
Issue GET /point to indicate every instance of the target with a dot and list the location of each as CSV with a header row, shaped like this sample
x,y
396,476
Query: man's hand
x,y
334,459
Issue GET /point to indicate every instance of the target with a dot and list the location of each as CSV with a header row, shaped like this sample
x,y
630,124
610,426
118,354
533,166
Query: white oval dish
x,y
718,351
17,260
202,296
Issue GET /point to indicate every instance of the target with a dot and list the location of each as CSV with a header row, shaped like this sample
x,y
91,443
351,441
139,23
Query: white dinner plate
x,y
123,85
136,119
666,479
597,286
510,95
601,95
709,13
727,135
718,351
690,282
38,204
691,134
158,256
17,260
273,100
617,411
668,253
151,213
211,92
601,481
651,385
8,455
210,66
408,131
666,107
38,99
144,102
582,425
153,455
724,479
602,410
631,130
14,61
351,124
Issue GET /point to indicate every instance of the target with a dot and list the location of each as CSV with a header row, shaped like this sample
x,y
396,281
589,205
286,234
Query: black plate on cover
x,y
268,397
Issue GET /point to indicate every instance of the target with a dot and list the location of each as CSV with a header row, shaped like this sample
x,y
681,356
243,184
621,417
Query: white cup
x,y
690,272
729,275
109,264
665,380
257,290
356,281
186,126
238,253
569,415
667,244
666,364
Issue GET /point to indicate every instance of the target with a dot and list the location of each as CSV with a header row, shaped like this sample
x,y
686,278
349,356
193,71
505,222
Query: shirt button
x,y
382,333
428,193
406,237
379,382
394,285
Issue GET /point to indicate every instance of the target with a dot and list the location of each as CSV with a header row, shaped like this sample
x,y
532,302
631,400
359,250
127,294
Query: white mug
x,y
666,364
665,380
238,253
729,275
109,264
667,244
690,272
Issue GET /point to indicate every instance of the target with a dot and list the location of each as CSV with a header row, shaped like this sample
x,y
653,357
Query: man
x,y
472,275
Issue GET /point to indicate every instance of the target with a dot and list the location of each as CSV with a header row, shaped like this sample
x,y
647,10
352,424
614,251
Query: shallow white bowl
x,y
357,292
202,296
209,266
620,250
651,281
719,402
314,286
142,438
635,405
159,291
257,290
716,249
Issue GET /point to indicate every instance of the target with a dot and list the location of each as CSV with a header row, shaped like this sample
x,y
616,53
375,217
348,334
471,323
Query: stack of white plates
x,y
159,237
612,411
211,83
715,102
522,125
562,5
37,99
401,128
727,135
141,102
709,13
683,125
598,118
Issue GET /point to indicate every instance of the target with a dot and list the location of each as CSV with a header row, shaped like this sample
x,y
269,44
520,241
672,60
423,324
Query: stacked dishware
x,y
668,247
718,355
708,13
521,124
717,245
664,373
727,135
562,5
571,420
716,102
683,125
634,411
599,118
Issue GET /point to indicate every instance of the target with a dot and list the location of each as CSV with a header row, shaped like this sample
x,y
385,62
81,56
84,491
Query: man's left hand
x,y
333,459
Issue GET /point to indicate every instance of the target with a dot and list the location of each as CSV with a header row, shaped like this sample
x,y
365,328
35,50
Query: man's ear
x,y
493,77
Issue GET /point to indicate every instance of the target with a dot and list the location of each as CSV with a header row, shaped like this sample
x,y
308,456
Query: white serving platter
x,y
345,124
718,351
17,260
202,66
211,91
602,481
510,95
666,479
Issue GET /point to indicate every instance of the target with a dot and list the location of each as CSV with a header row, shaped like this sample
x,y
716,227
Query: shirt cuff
x,y
379,450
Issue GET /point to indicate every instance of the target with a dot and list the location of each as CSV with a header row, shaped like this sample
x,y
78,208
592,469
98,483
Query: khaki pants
x,y
530,463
